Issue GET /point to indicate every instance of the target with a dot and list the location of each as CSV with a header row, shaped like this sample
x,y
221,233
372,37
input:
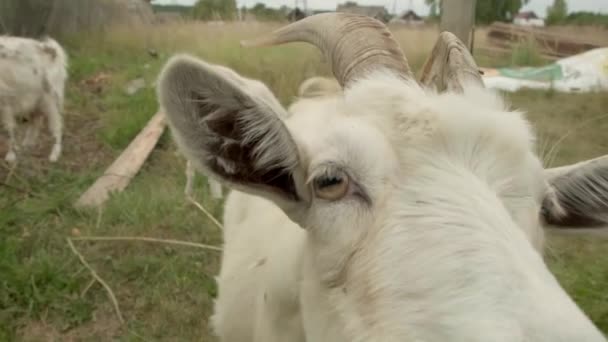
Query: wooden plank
x,y
503,34
599,232
501,51
126,166
458,17
541,32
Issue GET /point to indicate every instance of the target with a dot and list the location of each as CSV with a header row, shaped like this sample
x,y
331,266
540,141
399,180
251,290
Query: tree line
x,y
557,14
488,11
35,18
224,10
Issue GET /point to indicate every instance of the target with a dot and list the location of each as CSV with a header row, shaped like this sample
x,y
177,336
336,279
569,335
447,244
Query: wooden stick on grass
x,y
99,279
206,212
124,168
147,239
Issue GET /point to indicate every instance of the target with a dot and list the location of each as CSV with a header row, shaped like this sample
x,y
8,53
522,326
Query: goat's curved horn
x,y
355,44
450,66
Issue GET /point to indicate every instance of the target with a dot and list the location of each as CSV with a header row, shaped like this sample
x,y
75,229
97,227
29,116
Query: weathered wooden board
x,y
599,232
122,170
505,35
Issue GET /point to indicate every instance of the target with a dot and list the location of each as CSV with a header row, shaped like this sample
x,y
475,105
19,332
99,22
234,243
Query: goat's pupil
x,y
327,181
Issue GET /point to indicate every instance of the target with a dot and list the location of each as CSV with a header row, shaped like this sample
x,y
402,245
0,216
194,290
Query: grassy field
x,y
164,291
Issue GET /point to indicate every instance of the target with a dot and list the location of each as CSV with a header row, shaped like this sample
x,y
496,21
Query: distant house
x,y
528,18
377,12
168,17
411,16
408,18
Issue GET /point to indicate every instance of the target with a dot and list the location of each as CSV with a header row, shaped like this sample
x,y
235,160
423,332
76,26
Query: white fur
x,y
437,239
32,84
318,86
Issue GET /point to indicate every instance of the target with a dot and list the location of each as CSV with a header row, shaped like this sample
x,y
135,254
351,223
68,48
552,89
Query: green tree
x,y
434,11
258,8
587,18
263,13
215,9
24,17
61,18
488,11
557,12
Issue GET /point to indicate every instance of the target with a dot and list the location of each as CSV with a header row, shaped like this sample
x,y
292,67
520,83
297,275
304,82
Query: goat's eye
x,y
331,187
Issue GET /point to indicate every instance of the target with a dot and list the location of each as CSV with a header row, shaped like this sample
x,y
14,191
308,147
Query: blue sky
x,y
539,6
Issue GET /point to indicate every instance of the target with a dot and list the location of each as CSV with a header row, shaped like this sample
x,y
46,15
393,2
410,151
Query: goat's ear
x,y
578,194
229,130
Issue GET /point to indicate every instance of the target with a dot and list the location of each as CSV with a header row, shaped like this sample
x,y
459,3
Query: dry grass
x,y
219,42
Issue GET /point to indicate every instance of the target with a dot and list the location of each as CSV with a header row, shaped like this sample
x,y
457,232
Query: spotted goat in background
x,y
33,74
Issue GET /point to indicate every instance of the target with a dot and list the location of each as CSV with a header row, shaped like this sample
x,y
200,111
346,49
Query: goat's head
x,y
421,206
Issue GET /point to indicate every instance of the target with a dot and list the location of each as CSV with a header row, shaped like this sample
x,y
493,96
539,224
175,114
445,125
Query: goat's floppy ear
x,y
229,131
578,194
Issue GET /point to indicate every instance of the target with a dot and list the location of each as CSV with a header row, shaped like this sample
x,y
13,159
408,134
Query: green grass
x,y
580,266
526,53
165,292
571,127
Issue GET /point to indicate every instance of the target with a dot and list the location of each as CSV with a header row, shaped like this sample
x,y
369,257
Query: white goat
x,y
32,84
389,211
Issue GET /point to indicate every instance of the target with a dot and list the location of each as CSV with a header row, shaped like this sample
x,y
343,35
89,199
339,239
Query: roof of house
x,y
527,15
410,15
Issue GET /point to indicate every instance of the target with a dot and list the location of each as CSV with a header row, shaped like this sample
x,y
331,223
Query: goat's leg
x,y
189,178
8,118
216,188
33,130
55,126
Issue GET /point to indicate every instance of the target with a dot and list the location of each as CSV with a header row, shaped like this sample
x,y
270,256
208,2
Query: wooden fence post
x,y
458,17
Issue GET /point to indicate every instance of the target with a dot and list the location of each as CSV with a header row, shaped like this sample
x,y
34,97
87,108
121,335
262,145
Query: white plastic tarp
x,y
584,72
